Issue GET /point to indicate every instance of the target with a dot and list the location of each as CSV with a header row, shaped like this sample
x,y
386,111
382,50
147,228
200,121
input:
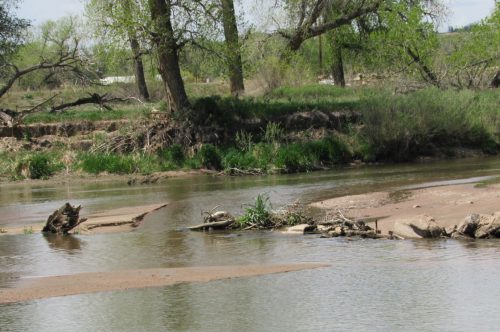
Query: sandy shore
x,y
111,221
85,283
448,205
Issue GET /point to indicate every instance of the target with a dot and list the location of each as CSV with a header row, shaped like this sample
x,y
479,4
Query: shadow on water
x,y
68,243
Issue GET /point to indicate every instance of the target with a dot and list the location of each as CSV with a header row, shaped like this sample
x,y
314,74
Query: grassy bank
x,y
389,127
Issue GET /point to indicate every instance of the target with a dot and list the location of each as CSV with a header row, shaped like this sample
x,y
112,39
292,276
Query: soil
x,y
54,286
448,205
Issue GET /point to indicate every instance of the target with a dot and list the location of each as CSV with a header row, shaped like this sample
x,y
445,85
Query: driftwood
x,y
223,224
214,220
63,220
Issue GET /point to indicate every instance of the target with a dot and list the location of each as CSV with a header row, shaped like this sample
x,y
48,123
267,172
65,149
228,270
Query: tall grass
x,y
402,127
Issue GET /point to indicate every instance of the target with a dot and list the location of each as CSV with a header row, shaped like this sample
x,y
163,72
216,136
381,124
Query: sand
x,y
54,286
448,205
111,221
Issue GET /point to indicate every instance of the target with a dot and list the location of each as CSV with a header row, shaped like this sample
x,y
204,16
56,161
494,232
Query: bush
x,y
257,215
209,157
292,158
38,166
95,163
238,159
175,155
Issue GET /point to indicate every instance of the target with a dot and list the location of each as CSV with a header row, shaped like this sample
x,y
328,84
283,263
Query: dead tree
x,y
63,220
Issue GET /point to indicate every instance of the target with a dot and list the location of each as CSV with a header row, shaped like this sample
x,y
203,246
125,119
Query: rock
x,y
458,236
301,229
448,231
469,225
488,226
323,228
419,227
416,206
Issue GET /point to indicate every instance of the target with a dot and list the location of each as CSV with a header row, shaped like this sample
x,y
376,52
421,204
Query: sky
x,y
462,12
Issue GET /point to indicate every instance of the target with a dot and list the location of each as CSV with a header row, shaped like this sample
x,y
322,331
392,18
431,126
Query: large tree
x,y
233,48
312,18
58,50
167,49
120,21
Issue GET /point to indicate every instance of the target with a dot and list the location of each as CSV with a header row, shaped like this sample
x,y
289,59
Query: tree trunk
x,y
168,59
427,74
233,48
338,65
140,78
495,82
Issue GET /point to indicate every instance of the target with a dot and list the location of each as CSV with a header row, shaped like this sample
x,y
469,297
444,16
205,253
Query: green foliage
x,y
257,215
474,56
86,113
244,160
244,140
274,133
95,163
209,157
402,127
39,165
175,155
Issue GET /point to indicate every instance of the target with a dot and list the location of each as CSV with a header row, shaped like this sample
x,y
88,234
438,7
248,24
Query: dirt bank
x,y
448,205
85,283
111,221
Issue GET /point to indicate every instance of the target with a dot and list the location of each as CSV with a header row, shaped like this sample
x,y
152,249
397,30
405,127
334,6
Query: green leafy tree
x,y
476,53
117,23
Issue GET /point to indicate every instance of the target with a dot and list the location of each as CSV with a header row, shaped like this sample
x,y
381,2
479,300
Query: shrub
x,y
257,215
175,155
292,158
209,157
95,163
37,166
238,159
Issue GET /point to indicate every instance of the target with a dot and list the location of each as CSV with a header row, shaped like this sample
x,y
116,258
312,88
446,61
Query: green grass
x,y
402,127
89,113
391,127
257,214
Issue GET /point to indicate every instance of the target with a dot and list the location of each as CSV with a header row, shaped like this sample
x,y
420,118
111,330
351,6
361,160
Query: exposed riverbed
x,y
370,285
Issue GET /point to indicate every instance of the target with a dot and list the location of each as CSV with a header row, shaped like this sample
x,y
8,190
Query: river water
x,y
371,285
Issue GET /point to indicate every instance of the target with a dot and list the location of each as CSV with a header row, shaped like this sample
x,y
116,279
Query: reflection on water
x,y
371,285
67,243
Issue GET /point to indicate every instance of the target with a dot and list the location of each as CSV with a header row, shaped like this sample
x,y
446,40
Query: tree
x,y
59,52
12,31
231,35
476,54
119,21
167,48
308,17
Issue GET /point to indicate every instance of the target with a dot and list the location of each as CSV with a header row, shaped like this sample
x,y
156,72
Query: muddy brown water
x,y
371,285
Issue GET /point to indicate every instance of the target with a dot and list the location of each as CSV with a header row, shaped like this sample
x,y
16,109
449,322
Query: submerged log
x,y
63,220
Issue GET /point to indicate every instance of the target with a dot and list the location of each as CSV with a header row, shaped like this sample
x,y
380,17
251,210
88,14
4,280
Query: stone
x,y
323,228
469,225
488,226
301,229
448,231
416,206
459,236
419,227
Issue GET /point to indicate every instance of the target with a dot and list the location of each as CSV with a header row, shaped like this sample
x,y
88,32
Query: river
x,y
371,285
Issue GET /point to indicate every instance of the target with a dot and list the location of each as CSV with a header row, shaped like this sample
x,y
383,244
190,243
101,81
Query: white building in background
x,y
117,79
